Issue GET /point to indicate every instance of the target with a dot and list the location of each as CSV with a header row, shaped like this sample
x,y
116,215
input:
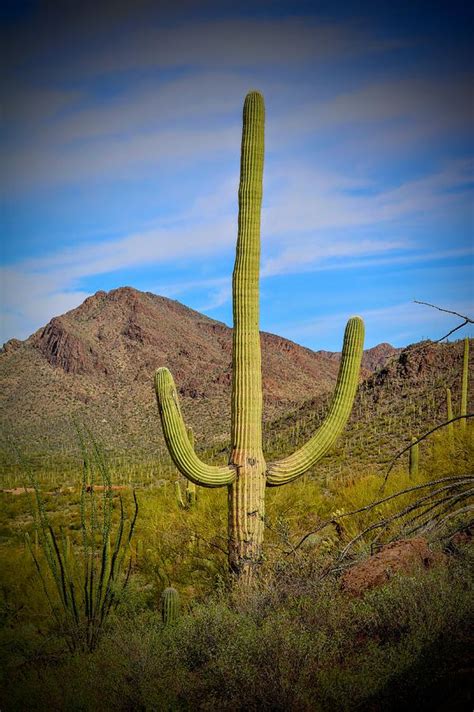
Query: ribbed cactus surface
x,y
169,605
247,473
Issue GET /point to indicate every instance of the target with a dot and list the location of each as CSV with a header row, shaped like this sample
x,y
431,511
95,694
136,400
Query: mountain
x,y
96,364
373,358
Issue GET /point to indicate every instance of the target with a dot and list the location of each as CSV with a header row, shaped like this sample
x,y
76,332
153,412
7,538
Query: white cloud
x,y
309,199
295,232
402,323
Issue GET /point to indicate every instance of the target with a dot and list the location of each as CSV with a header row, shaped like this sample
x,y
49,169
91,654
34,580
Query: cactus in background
x,y
464,384
449,412
190,497
179,496
169,605
247,473
414,458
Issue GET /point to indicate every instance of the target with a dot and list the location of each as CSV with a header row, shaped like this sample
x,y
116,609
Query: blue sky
x,y
121,157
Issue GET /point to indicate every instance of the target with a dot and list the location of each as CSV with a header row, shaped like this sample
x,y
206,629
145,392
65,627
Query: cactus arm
x,y
177,440
286,470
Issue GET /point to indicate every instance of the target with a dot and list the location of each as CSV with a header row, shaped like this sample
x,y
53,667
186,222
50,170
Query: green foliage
x,y
296,643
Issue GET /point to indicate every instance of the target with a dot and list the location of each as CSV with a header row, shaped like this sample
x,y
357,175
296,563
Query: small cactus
x,y
414,458
169,605
449,411
190,497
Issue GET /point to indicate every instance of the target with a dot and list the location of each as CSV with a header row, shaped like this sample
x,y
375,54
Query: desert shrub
x,y
289,645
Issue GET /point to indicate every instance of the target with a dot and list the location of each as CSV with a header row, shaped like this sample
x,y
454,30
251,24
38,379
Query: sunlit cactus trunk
x,y
247,492
247,474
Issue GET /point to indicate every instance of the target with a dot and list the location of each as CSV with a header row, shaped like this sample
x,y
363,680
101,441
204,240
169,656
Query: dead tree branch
x,y
467,319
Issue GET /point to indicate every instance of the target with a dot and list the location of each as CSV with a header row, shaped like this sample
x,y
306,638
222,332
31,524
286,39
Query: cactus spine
x,y
464,384
414,458
247,473
169,605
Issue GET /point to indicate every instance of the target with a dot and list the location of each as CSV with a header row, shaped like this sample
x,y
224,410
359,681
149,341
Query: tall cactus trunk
x,y
247,492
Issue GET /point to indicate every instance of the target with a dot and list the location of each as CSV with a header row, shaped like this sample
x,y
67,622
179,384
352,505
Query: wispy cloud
x,y
367,160
408,321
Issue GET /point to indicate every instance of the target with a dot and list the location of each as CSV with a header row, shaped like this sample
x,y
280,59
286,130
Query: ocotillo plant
x,y
84,584
464,384
247,473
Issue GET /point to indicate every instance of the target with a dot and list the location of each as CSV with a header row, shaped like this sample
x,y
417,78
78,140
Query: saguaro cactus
x,y
169,605
247,473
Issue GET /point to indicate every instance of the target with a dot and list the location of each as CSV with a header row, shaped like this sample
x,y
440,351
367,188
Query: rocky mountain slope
x,y
373,358
96,364
405,397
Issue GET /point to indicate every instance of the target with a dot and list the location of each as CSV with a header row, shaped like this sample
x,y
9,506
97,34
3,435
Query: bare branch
x,y
467,319
415,442
456,328
456,481
448,311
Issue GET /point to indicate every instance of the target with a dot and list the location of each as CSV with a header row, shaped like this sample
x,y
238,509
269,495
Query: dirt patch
x,y
18,490
400,556
101,488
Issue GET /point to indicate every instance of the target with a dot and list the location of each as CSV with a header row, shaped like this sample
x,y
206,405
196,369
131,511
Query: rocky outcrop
x,y
403,556
10,346
66,350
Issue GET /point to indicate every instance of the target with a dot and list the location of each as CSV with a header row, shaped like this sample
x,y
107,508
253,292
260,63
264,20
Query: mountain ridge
x,y
96,363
